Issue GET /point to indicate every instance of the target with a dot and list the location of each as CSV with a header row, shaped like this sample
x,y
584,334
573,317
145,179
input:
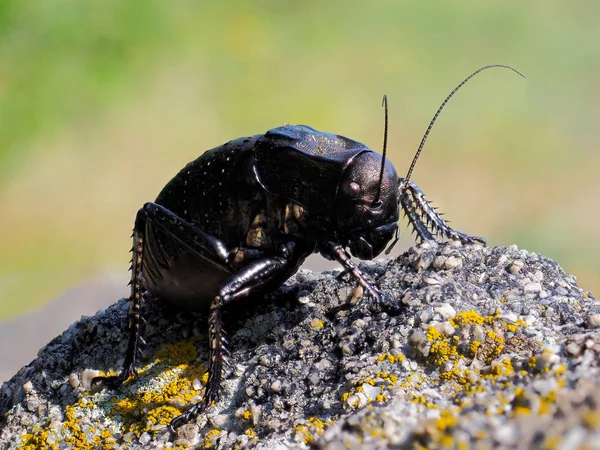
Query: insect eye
x,y
377,204
351,189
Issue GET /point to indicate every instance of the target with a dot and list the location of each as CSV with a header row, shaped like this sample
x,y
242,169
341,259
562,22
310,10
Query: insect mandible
x,y
242,217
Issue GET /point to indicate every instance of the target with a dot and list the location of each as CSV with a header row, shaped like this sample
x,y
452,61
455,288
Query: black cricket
x,y
242,217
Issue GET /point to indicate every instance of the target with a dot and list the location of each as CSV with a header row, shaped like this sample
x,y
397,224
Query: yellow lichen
x,y
390,358
513,327
472,317
591,419
210,438
521,410
149,404
155,407
474,347
447,352
307,431
552,442
441,349
505,368
382,379
532,363
316,324
251,434
560,369
462,445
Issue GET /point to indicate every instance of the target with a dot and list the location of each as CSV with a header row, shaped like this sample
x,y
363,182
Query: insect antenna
x,y
414,161
384,103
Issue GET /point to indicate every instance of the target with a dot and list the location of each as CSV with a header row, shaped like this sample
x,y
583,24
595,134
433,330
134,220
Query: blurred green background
x,y
103,101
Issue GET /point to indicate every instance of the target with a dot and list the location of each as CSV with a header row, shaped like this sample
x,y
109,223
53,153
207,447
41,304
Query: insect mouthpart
x,y
371,243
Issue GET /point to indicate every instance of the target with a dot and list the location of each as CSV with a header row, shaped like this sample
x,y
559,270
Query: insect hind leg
x,y
425,219
253,278
137,297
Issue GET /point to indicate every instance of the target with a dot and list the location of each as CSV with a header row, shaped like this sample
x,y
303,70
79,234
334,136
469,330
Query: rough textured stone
x,y
478,357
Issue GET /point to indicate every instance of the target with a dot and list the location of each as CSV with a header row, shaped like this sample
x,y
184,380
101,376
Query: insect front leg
x,y
335,251
253,278
205,246
424,218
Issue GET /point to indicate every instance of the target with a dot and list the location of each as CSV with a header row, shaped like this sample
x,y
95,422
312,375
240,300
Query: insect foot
x,y
386,303
478,333
114,381
375,299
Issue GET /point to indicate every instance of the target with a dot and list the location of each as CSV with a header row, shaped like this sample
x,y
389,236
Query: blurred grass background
x,y
103,101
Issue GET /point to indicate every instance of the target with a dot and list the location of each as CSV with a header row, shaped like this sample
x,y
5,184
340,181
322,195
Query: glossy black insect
x,y
242,218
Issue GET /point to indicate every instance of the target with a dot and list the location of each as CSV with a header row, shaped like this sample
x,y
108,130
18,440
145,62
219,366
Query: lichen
x,y
307,431
147,405
469,365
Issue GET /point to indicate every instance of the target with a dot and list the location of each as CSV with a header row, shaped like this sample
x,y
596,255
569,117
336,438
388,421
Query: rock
x,y
473,360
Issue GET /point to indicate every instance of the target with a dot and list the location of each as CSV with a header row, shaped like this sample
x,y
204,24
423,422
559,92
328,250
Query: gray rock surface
x,y
31,331
495,348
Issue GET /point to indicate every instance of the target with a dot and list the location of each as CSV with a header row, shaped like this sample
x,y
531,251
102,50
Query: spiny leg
x,y
414,217
425,219
136,298
337,252
203,245
218,352
252,278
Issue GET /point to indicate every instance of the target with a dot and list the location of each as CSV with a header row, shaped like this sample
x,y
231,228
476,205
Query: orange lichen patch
x,y
309,430
148,406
